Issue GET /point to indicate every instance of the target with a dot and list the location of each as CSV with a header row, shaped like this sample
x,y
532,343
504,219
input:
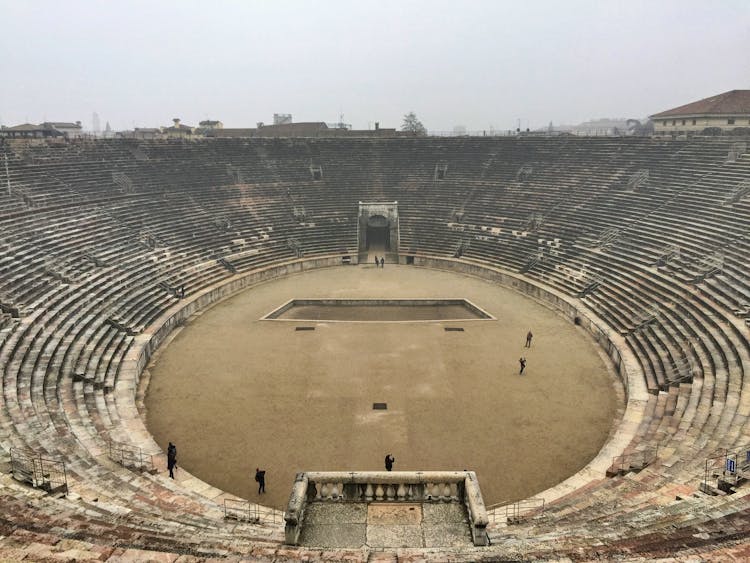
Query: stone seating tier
x,y
96,237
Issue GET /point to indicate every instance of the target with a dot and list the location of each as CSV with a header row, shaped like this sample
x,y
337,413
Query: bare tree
x,y
635,127
412,124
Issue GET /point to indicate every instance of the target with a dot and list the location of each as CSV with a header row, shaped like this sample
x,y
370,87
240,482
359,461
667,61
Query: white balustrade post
x,y
379,492
401,493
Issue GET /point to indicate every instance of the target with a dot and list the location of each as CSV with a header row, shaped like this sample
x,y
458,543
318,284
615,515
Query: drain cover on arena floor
x,y
380,406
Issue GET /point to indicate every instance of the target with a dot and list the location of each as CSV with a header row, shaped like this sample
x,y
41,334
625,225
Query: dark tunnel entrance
x,y
378,236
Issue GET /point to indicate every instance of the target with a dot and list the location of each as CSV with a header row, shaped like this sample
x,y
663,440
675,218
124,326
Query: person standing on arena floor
x,y
260,477
522,361
382,262
389,459
377,262
529,336
171,459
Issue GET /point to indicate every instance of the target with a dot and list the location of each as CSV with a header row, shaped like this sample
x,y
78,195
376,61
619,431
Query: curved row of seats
x,y
99,239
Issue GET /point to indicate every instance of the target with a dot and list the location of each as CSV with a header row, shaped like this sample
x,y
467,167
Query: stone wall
x,y
665,125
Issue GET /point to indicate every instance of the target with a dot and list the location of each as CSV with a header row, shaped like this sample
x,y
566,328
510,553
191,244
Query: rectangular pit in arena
x,y
378,310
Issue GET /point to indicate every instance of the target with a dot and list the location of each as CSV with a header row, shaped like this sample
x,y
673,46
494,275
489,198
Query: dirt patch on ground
x,y
235,393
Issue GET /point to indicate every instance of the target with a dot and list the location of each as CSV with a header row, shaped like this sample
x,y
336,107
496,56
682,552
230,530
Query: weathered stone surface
x,y
141,556
449,534
394,536
333,513
441,512
334,535
334,525
392,513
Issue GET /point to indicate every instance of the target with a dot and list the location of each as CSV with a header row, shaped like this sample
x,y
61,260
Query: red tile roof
x,y
729,103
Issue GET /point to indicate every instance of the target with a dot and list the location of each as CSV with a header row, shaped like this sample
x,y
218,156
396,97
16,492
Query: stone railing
x,y
387,486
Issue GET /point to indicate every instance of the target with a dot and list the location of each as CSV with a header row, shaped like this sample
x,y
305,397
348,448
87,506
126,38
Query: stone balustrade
x,y
387,486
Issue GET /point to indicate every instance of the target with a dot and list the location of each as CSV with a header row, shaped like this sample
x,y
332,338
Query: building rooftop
x,y
231,132
292,129
24,127
729,103
63,124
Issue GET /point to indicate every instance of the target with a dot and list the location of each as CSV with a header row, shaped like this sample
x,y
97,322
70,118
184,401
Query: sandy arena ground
x,y
235,393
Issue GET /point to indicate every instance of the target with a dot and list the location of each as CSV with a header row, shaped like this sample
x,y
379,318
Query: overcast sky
x,y
480,64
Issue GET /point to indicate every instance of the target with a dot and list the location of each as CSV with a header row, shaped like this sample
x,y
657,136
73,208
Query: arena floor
x,y
234,392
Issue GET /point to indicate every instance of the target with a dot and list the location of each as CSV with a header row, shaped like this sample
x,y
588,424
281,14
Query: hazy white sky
x,y
476,63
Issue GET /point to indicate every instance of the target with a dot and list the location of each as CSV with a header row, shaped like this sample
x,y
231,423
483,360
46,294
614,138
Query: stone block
x,y
394,536
334,535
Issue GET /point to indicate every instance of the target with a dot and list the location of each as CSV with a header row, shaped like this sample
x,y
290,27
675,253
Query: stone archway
x,y
377,234
378,230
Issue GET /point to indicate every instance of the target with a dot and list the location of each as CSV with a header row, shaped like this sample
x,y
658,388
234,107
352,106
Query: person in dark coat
x,y
389,459
171,459
260,477
522,361
382,262
529,336
377,262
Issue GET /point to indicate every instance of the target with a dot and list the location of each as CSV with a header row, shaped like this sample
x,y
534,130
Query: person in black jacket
x,y
171,459
389,459
260,477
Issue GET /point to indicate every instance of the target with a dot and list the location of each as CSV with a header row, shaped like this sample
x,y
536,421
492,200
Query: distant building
x,y
724,112
140,133
310,129
377,132
178,130
206,127
26,131
282,118
605,126
231,132
44,130
209,125
70,130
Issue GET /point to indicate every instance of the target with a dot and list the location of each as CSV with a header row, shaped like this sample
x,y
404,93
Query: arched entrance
x,y
378,231
377,235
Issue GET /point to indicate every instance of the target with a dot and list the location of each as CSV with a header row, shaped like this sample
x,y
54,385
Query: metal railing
x,y
727,469
246,511
40,472
131,457
518,511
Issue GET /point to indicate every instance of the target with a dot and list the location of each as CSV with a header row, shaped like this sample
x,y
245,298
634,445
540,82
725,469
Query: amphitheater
x,y
641,243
